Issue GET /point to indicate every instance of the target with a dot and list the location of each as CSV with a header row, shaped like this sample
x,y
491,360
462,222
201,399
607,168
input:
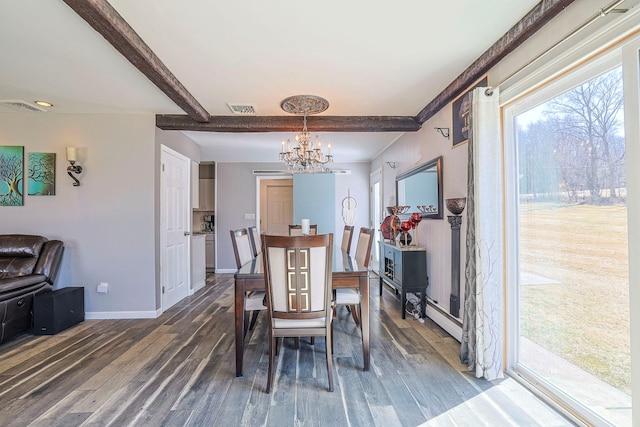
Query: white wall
x,y
107,223
356,184
414,149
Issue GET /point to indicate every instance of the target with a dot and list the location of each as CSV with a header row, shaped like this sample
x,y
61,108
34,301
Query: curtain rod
x,y
610,8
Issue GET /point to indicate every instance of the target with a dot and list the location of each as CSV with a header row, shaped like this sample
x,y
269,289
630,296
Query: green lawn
x,y
584,318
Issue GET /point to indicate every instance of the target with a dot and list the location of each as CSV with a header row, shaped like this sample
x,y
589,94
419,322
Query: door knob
x,y
187,233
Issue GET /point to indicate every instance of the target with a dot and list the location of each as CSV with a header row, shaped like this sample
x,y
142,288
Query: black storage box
x,y
56,311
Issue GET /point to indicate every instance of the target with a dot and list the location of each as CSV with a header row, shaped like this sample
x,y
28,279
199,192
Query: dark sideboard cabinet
x,y
405,269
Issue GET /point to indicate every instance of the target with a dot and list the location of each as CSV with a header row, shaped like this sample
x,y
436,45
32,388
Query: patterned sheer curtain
x,y
482,339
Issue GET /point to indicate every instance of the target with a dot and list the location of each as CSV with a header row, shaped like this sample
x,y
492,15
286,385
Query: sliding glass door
x,y
568,270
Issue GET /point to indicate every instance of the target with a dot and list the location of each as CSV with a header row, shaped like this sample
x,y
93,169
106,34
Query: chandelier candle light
x,y
305,155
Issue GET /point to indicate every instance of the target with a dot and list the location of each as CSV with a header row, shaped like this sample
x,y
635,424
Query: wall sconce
x,y
443,131
72,157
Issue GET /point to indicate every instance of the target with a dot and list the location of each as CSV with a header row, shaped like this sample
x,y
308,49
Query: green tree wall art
x,y
11,175
41,174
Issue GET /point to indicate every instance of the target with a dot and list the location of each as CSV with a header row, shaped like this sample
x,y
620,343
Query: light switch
x,y
249,216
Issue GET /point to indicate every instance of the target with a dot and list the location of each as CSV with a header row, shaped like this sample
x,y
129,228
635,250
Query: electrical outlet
x,y
249,216
103,288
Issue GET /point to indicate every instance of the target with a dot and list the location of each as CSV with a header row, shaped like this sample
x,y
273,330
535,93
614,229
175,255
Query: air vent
x,y
242,109
17,106
270,172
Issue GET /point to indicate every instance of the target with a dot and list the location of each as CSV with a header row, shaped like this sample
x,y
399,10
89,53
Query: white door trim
x,y
183,270
258,179
375,176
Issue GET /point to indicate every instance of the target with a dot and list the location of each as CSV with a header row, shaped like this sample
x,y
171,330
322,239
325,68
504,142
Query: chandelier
x,y
306,154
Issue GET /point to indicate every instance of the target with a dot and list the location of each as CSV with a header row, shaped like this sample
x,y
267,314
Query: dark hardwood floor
x,y
179,370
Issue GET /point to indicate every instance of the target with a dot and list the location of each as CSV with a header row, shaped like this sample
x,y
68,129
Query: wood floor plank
x,y
354,397
403,400
179,369
114,403
207,394
385,416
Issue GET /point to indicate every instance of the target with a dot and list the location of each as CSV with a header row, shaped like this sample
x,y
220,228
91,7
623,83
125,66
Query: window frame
x,y
581,73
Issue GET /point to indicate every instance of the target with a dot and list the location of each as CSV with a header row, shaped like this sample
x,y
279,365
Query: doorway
x,y
568,258
175,253
276,205
375,182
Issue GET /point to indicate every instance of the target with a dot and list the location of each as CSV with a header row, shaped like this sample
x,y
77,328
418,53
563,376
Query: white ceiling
x,y
367,58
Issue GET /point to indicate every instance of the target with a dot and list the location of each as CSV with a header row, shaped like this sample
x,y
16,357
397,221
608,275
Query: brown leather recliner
x,y
28,266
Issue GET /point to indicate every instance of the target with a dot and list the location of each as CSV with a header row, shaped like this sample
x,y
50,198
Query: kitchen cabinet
x,y
198,261
207,196
210,252
404,268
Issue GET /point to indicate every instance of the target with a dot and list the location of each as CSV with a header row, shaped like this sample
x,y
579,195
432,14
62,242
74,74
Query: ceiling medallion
x,y
304,104
305,156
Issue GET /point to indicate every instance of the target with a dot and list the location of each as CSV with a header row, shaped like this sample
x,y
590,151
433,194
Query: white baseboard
x,y
445,322
225,270
101,315
197,287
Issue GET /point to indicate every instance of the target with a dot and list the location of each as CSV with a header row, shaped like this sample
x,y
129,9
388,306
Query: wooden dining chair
x,y
298,279
254,237
351,297
347,235
254,300
296,230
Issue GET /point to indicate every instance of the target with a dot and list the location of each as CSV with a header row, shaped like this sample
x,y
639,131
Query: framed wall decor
x,y
460,114
11,175
41,174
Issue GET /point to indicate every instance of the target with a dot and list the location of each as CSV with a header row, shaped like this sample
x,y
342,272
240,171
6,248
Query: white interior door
x,y
175,227
276,211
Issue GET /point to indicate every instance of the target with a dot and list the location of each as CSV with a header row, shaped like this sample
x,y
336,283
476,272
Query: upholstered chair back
x,y
346,238
298,275
363,249
241,246
256,243
296,230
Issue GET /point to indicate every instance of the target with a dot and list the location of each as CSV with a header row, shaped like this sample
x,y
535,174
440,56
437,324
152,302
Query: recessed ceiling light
x,y
44,103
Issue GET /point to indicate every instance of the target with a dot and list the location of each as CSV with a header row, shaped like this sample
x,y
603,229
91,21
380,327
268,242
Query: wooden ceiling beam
x,y
537,17
110,24
243,124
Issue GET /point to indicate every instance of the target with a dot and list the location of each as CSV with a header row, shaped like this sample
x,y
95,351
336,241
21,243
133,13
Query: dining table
x,y
346,273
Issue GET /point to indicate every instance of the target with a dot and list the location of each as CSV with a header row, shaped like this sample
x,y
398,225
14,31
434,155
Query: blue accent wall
x,y
314,197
